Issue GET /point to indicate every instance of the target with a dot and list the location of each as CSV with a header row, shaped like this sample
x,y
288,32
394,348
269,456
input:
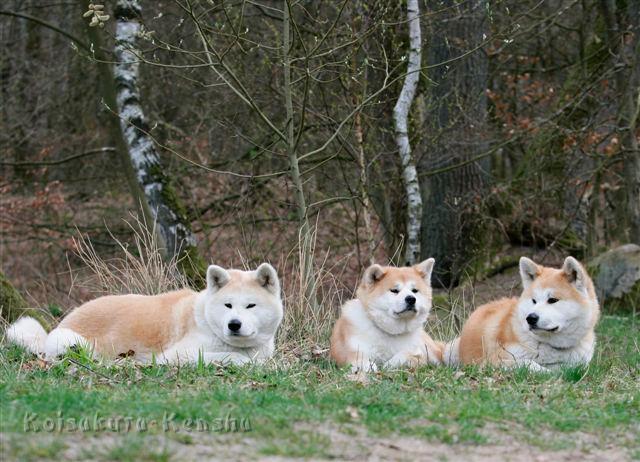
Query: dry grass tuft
x,y
141,268
307,324
450,310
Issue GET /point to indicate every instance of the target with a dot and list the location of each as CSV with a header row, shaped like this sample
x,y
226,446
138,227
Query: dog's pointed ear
x,y
267,277
575,274
373,274
217,278
425,268
529,271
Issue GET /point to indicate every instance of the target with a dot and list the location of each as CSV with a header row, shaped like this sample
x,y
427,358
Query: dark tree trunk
x,y
453,134
623,35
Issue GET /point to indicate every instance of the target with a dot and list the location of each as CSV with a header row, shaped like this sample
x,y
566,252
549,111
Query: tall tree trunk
x,y
401,126
632,169
163,204
623,34
454,129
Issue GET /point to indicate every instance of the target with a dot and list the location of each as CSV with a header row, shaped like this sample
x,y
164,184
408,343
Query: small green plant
x,y
55,310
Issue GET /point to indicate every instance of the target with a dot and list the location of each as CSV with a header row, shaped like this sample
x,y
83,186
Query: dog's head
x,y
398,300
558,306
243,308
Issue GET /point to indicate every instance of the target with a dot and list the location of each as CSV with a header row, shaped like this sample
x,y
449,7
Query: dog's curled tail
x,y
451,353
28,333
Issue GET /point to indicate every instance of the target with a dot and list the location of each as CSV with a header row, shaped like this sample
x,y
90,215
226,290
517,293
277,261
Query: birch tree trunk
x,y
400,119
163,204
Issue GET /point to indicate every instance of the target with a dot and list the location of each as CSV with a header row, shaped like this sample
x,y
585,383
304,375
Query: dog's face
x,y
398,300
558,306
243,307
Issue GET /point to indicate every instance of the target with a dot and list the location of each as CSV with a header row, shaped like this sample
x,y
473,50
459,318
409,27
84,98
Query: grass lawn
x,y
311,409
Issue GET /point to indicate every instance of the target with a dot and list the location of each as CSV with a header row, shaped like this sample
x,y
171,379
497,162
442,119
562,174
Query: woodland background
x,y
269,127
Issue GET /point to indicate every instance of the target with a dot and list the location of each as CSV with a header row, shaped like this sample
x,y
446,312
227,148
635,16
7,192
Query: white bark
x,y
400,118
160,197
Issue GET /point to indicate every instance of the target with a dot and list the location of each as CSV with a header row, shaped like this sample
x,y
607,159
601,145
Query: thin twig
x,y
44,163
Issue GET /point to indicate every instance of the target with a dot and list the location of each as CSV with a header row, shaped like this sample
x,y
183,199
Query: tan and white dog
x,y
234,320
384,325
551,324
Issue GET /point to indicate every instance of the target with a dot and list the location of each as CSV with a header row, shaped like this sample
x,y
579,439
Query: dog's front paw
x,y
399,360
238,359
535,367
231,357
364,367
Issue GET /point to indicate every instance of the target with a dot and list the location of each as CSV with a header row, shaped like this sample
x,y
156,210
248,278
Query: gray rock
x,y
616,272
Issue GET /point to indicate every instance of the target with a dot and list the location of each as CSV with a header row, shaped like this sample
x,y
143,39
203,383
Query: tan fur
x,y
234,319
390,277
496,333
433,346
339,350
486,331
357,340
119,324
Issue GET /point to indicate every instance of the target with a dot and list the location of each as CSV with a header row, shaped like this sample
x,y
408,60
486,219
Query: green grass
x,y
291,411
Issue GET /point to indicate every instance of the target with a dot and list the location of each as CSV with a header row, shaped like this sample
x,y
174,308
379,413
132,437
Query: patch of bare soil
x,y
502,446
352,444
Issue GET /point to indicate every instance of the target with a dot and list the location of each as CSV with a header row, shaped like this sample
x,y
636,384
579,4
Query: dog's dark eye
x,y
552,300
228,305
395,291
415,291
534,301
251,305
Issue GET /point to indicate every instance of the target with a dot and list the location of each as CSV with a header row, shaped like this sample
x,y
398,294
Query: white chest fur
x,y
545,355
374,344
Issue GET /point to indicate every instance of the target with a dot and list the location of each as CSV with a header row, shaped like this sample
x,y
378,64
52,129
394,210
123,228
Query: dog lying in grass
x,y
384,324
551,324
234,320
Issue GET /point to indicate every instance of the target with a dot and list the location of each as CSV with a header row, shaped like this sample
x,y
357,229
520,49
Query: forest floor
x,y
312,410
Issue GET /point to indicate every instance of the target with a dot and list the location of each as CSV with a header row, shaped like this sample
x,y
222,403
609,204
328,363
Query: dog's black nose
x,y
234,325
410,299
532,319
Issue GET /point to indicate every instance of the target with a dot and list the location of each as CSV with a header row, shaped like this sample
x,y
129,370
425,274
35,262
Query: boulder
x,y
616,274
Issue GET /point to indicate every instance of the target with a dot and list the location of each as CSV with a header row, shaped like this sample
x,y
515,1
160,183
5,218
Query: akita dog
x,y
385,324
233,320
551,324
